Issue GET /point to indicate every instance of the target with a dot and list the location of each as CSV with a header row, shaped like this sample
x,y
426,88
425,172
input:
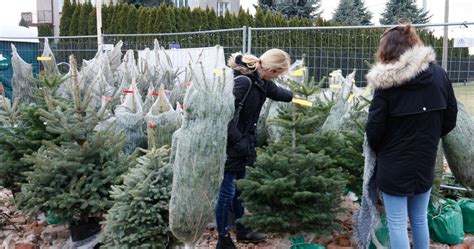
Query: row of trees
x,y
354,12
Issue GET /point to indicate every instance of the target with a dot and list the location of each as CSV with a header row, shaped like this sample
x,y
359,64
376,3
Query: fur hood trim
x,y
411,63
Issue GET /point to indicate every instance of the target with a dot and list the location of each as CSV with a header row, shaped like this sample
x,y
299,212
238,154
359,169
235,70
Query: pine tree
x,y
399,10
352,12
66,16
139,215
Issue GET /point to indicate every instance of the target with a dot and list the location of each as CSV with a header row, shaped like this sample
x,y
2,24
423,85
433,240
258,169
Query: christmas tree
x,y
295,185
139,215
73,179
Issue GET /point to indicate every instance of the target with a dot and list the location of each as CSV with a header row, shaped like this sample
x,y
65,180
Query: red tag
x,y
182,106
152,126
127,91
154,94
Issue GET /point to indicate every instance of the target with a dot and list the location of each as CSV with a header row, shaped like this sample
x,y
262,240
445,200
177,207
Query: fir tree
x,y
294,187
352,12
139,215
399,10
66,15
20,140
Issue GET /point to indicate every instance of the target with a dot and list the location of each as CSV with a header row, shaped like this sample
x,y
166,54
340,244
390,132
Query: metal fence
x,y
323,48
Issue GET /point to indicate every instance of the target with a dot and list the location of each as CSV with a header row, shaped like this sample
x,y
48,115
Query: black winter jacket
x,y
413,106
241,138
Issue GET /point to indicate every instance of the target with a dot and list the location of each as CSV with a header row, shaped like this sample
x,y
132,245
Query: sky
x,y
460,11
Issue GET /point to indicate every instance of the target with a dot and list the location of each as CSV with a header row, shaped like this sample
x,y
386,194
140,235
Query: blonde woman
x,y
252,86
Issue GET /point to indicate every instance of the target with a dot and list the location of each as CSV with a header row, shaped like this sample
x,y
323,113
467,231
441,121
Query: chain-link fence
x,y
323,48
347,48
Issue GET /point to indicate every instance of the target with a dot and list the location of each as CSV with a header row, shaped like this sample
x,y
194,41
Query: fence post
x,y
249,46
244,38
444,62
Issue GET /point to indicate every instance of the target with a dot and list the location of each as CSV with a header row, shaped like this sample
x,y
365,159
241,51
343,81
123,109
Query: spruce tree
x,y
139,215
302,8
352,12
399,10
66,15
73,179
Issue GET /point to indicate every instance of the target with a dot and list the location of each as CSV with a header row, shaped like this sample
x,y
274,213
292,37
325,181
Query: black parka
x,y
241,138
413,107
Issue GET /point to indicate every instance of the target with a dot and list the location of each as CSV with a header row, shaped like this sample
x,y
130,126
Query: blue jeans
x,y
227,200
396,209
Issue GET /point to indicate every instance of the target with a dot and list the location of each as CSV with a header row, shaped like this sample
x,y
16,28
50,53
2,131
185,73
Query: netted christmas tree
x,y
139,215
73,179
198,152
295,186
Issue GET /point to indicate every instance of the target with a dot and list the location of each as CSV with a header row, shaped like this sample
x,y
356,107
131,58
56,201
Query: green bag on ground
x,y
53,218
445,222
297,242
382,237
467,207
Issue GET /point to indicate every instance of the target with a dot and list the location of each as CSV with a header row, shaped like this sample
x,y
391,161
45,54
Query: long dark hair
x,y
395,41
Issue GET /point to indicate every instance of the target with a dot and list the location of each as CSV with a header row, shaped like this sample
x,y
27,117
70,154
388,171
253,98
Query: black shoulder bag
x,y
235,120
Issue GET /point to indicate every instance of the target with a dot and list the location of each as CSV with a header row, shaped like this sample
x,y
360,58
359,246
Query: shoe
x,y
225,242
250,237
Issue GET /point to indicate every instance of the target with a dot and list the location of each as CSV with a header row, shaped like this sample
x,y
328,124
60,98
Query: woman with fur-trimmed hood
x,y
413,107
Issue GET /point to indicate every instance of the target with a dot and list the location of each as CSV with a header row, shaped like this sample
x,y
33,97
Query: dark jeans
x,y
227,200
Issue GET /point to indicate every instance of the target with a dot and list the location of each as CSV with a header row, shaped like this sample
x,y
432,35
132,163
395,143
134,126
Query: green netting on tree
x,y
162,121
198,151
458,148
139,215
129,117
22,80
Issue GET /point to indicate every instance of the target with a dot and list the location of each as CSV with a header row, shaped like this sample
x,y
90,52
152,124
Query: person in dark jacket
x,y
252,86
412,108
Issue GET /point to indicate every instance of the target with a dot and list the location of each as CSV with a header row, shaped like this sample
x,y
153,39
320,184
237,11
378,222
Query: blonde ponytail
x,y
245,64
